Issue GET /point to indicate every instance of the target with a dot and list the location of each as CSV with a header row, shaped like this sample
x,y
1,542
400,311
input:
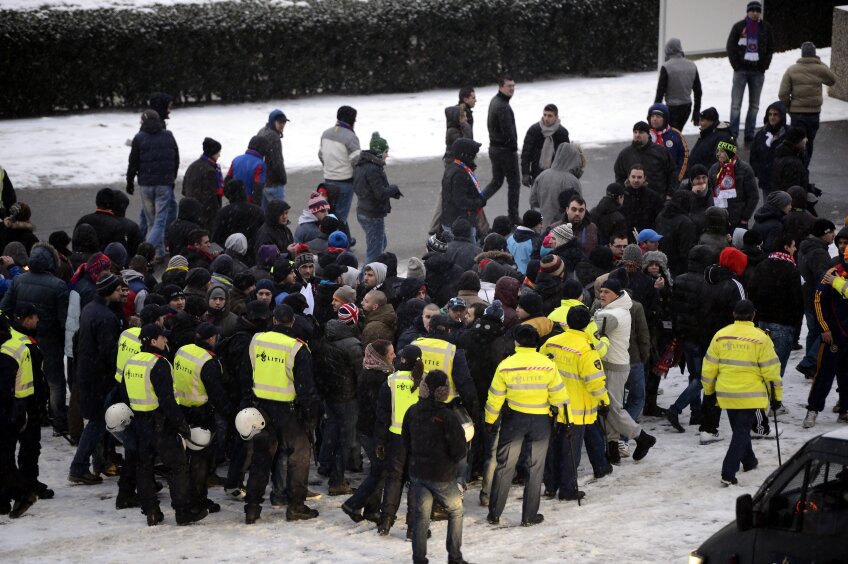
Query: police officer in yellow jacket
x,y
529,384
398,394
572,293
743,371
129,344
279,377
200,395
579,365
16,389
160,427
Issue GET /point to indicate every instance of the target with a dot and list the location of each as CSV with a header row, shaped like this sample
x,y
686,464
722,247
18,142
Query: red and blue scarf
x,y
212,162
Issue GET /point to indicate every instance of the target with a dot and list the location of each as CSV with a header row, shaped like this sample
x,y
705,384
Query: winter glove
x,y
816,191
603,409
525,180
775,405
380,452
130,187
397,194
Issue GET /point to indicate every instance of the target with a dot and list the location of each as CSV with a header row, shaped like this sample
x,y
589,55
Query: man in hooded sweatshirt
x,y
275,180
766,140
563,174
677,82
155,159
540,144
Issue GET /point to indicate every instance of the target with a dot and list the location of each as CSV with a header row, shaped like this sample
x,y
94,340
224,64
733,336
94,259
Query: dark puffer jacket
x,y
765,47
42,289
769,224
188,220
338,362
154,156
434,439
772,278
788,169
687,294
240,216
609,219
765,144
99,330
373,191
703,152
201,183
501,124
368,388
720,294
640,209
660,169
678,231
460,197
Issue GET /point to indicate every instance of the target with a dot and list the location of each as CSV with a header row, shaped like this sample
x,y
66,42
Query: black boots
x,y
613,456
252,513
191,516
644,442
126,500
154,517
21,505
385,524
300,513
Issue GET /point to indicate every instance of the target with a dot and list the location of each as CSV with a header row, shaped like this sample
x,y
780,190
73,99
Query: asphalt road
x,y
420,181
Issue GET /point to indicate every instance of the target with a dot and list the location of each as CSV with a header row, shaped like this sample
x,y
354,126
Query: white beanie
x,y
237,243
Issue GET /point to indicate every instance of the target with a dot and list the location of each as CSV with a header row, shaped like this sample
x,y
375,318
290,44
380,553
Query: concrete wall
x,y
702,26
839,53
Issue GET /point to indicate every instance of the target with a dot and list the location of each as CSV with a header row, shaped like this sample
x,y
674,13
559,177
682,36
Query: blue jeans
x,y
691,396
753,80
596,446
270,193
740,449
635,401
783,337
810,124
448,495
813,340
90,445
157,209
345,198
516,429
375,236
339,434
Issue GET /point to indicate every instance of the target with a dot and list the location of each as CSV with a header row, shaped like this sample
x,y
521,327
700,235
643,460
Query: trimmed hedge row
x,y
55,60
796,22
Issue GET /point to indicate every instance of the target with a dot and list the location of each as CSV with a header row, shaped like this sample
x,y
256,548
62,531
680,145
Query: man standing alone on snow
x,y
540,144
678,80
750,46
503,148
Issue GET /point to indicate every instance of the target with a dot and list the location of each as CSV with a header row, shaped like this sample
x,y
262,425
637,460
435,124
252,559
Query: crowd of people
x,y
211,335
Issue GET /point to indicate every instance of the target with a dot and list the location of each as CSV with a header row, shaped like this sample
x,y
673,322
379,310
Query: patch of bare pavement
x,y
420,182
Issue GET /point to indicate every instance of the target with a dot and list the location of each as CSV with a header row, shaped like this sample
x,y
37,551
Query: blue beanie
x,y
338,240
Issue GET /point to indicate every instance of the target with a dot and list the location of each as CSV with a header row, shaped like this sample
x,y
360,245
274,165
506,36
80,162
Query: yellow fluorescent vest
x,y
437,354
189,390
272,358
740,367
137,381
129,344
529,383
16,347
560,314
400,385
581,370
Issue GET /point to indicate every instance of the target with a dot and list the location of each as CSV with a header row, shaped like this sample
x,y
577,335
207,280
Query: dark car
x,y
799,514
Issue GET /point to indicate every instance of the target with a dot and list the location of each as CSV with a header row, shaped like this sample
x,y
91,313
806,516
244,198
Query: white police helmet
x,y
249,423
199,438
118,417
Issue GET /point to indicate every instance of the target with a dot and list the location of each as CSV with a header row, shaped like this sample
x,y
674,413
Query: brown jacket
x,y
379,324
801,86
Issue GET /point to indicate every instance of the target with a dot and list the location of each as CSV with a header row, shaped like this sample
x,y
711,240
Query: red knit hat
x,y
317,203
734,259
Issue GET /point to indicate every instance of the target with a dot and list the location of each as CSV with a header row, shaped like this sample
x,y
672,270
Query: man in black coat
x,y
435,440
275,230
460,188
503,148
131,232
239,216
540,144
750,46
641,204
101,324
155,159
188,220
813,261
788,169
109,228
658,165
712,131
607,214
204,182
678,231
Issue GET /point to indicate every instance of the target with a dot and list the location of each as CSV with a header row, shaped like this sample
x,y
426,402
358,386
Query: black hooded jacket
x,y
272,232
687,293
154,156
678,231
609,219
720,294
239,216
765,143
188,220
788,169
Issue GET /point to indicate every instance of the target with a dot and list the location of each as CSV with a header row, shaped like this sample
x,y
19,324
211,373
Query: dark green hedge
x,y
796,22
55,60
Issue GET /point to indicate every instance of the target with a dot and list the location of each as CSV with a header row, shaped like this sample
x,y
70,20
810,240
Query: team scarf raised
x,y
208,159
778,255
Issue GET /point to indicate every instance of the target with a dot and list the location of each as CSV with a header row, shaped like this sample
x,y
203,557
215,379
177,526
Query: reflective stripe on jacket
x,y
129,344
529,382
437,354
741,367
560,314
137,381
581,370
400,385
272,358
189,390
17,348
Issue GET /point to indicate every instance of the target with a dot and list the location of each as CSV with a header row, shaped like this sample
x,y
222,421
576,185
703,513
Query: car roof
x,y
839,434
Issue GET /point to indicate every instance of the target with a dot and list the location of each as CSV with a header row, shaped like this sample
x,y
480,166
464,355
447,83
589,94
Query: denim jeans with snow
x,y
375,236
753,80
157,203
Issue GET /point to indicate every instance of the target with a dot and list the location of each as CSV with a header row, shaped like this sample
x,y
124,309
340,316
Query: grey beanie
x,y
632,253
779,199
237,243
415,268
808,49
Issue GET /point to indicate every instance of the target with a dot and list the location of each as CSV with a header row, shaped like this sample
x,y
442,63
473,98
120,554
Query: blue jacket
x,y
673,142
523,245
250,169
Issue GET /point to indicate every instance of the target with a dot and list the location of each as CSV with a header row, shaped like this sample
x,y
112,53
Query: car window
x,y
814,500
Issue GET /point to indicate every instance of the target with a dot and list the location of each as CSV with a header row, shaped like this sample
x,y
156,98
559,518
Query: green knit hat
x,y
378,145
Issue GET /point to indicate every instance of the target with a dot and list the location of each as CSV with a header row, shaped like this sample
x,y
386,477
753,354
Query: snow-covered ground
x,y
656,510
91,148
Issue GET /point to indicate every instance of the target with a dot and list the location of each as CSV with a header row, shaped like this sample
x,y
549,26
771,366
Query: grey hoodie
x,y
563,175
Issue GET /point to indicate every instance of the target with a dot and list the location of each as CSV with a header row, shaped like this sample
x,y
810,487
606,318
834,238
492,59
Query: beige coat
x,y
801,86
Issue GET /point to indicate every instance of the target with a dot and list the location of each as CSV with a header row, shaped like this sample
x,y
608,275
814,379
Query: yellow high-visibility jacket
x,y
529,382
581,370
741,367
560,314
